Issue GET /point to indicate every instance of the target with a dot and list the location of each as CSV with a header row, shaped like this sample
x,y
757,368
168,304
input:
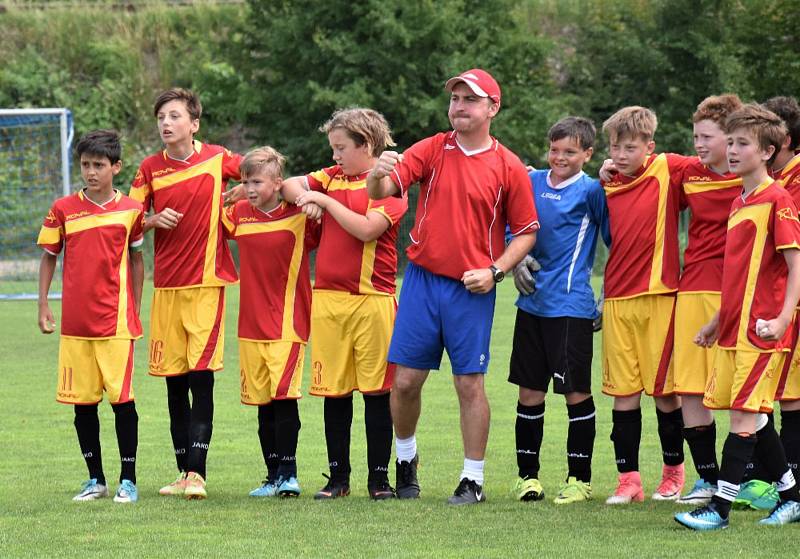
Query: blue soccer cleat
x,y
783,513
269,488
702,519
91,490
126,492
700,494
288,487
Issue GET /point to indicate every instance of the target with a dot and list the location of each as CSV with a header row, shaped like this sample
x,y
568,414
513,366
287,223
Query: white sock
x,y
473,469
406,448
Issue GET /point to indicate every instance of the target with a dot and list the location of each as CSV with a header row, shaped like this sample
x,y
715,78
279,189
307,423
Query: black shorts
x,y
559,348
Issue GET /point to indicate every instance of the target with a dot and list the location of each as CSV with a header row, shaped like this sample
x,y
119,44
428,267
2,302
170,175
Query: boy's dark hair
x,y
789,111
582,129
190,99
766,127
104,143
716,108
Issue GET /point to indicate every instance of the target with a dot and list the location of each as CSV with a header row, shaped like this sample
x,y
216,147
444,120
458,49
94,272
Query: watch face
x,y
497,274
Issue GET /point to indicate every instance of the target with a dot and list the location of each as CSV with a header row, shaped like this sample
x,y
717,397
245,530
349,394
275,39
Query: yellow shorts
x,y
350,337
270,371
187,330
693,363
743,380
789,384
637,345
88,367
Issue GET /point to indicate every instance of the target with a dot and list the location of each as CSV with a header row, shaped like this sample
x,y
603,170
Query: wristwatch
x,y
497,273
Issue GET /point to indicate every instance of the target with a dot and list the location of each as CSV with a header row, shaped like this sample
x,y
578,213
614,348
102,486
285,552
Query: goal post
x,y
35,170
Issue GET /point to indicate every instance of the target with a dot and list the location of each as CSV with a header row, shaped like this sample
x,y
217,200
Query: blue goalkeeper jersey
x,y
570,215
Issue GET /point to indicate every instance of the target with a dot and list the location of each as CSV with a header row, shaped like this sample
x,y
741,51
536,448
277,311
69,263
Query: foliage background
x,y
272,71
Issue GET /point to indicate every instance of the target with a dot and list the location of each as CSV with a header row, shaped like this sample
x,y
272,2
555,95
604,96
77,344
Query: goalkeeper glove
x,y
597,325
523,275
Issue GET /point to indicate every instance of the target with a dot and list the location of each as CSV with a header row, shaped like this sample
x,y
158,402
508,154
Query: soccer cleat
x,y
671,485
288,487
380,490
574,491
334,488
176,488
126,492
468,492
91,490
702,519
406,477
268,488
629,490
757,495
527,489
195,486
700,494
783,513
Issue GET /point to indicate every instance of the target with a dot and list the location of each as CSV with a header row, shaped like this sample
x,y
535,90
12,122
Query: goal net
x,y
34,171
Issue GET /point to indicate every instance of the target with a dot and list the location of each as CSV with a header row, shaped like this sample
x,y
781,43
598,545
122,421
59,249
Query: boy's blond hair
x,y
717,108
265,159
631,123
766,127
363,126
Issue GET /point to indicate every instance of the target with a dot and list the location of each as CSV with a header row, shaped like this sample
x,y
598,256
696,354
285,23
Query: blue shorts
x,y
435,313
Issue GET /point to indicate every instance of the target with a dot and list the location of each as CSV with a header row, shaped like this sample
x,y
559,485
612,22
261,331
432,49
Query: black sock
x,y
735,455
338,420
87,424
126,423
772,456
627,434
670,431
580,439
529,430
266,437
287,429
180,414
790,438
201,424
702,441
378,425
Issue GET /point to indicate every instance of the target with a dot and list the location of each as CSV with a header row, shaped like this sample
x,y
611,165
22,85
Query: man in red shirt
x,y
472,187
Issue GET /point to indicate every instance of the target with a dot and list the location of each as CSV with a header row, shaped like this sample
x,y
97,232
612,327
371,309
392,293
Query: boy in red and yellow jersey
x,y
641,279
274,312
708,188
100,231
183,186
353,310
786,170
760,290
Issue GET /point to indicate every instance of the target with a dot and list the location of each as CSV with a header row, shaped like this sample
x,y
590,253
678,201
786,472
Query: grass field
x,y
41,468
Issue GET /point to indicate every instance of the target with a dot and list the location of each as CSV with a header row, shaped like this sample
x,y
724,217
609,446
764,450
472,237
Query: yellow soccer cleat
x,y
574,491
195,486
528,489
176,488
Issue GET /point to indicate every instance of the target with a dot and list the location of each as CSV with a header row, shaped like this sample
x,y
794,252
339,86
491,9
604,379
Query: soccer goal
x,y
34,171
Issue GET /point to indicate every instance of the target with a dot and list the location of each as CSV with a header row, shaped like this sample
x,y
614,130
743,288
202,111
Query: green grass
x,y
41,468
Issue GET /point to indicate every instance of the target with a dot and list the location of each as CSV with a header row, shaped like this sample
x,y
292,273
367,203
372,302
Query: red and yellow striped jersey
x,y
345,263
194,254
275,292
754,276
709,196
789,177
97,300
643,213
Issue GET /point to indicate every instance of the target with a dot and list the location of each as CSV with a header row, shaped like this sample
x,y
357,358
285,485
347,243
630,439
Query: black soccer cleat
x,y
336,487
468,492
380,490
407,484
